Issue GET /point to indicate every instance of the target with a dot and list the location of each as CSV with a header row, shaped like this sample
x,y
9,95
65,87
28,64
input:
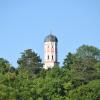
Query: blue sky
x,y
25,23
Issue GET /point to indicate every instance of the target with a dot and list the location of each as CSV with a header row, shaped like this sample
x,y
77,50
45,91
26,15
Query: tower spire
x,y
51,32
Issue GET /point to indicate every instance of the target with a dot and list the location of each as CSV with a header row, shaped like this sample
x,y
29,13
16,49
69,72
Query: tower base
x,y
48,65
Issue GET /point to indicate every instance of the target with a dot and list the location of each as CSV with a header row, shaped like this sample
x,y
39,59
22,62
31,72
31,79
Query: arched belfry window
x,y
52,57
48,57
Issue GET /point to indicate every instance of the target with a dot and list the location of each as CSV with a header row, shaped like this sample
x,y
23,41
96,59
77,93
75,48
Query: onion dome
x,y
51,38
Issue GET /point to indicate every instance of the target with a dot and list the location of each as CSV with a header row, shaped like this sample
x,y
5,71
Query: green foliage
x,y
89,52
91,91
31,61
70,59
4,65
78,79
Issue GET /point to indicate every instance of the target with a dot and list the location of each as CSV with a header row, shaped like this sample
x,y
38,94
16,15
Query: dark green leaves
x,y
31,61
78,79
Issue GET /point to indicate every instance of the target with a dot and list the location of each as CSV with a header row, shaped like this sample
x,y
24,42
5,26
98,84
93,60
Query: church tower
x,y
50,51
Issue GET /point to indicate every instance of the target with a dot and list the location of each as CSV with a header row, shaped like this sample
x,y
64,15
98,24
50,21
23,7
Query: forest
x,y
77,79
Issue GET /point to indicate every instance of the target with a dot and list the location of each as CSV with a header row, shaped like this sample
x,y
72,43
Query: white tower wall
x,y
50,54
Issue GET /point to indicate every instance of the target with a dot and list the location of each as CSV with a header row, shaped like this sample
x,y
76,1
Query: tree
x,y
79,79
82,64
4,66
90,91
88,52
70,59
31,61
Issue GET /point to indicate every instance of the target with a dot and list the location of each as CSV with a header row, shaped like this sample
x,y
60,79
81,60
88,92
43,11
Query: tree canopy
x,y
30,61
78,79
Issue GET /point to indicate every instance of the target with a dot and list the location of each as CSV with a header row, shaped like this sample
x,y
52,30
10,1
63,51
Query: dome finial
x,y
50,32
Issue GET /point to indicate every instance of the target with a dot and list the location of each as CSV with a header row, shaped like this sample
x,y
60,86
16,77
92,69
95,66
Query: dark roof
x,y
51,38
